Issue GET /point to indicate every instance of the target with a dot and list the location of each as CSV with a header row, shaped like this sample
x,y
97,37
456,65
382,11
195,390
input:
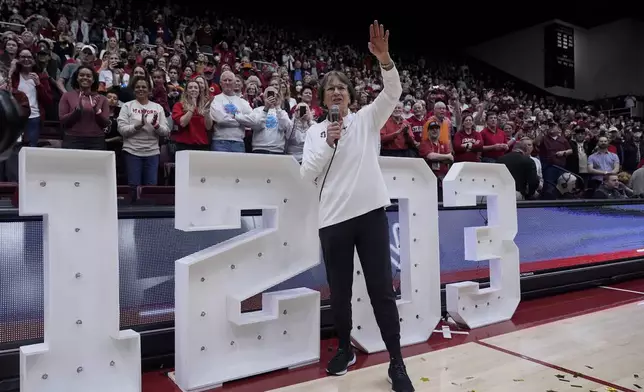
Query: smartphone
x,y
302,111
270,94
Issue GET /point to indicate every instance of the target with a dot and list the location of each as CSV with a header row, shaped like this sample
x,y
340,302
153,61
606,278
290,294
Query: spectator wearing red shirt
x,y
191,115
307,98
495,141
468,143
418,120
437,154
226,56
396,138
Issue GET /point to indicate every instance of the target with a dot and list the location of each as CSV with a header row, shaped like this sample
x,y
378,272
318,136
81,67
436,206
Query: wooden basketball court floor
x,y
585,341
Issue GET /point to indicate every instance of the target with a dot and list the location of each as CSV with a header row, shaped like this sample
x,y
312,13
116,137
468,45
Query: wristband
x,y
387,67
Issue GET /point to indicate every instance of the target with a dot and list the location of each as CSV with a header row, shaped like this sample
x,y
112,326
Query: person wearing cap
x,y
87,56
46,63
436,153
269,124
47,46
341,158
445,124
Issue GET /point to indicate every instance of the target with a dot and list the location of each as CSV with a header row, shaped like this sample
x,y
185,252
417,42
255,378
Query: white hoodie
x,y
354,184
269,127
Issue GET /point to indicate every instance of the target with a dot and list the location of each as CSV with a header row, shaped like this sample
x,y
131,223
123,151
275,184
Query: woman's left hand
x,y
34,76
379,42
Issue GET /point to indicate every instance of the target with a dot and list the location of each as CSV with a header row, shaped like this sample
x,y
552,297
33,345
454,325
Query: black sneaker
x,y
338,365
398,377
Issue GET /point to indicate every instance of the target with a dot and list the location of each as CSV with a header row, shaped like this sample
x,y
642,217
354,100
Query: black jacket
x,y
523,170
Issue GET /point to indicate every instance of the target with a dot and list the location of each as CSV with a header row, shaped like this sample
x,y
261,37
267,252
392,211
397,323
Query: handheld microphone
x,y
334,114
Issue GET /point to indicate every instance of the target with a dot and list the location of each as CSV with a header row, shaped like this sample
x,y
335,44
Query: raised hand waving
x,y
379,42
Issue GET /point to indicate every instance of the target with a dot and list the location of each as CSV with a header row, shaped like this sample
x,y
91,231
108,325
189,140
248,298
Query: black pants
x,y
193,147
369,234
84,142
407,153
9,167
260,151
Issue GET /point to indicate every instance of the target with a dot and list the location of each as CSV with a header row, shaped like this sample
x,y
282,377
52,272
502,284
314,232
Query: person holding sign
x,y
341,157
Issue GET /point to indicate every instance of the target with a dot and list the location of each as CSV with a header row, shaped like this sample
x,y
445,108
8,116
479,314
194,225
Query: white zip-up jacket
x,y
354,184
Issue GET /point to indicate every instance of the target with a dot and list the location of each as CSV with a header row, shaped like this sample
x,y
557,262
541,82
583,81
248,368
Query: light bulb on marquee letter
x,y
83,349
414,185
214,341
466,303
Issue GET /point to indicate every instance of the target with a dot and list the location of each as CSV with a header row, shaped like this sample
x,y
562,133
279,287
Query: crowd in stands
x,y
145,81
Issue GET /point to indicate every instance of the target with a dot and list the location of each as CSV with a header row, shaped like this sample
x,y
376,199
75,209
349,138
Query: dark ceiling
x,y
444,25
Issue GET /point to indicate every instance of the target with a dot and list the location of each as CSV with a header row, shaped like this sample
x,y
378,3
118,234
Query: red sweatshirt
x,y
467,155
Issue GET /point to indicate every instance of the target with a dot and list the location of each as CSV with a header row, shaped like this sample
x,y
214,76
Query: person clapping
x,y
83,112
191,115
142,122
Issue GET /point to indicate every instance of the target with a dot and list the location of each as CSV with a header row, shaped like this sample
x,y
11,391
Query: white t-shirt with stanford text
x,y
144,141
28,86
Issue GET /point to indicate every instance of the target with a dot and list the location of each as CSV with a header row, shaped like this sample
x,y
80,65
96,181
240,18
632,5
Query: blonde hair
x,y
202,99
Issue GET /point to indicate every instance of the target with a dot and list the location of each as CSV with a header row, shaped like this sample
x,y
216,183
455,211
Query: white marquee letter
x,y
83,349
215,341
466,303
414,185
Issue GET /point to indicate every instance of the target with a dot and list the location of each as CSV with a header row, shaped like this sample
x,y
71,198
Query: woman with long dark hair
x,y
27,77
83,112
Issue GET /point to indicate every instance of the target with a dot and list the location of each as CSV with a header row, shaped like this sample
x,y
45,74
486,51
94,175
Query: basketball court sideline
x,y
601,351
